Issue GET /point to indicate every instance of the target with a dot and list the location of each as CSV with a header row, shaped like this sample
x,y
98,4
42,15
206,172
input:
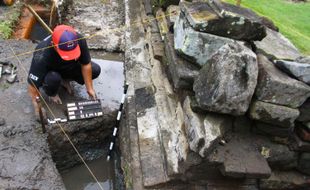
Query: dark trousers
x,y
52,80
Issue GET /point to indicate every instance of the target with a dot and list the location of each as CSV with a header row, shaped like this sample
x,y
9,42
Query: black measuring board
x,y
84,110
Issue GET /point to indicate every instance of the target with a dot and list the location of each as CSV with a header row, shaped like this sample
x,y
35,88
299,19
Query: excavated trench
x,y
92,142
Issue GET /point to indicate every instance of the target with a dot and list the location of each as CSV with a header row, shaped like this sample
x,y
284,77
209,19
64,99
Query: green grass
x,y
7,25
293,19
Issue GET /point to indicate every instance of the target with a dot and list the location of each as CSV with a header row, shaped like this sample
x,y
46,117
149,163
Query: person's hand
x,y
92,94
56,99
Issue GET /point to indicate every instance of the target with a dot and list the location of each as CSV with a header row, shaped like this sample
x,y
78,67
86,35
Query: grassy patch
x,y
292,19
7,25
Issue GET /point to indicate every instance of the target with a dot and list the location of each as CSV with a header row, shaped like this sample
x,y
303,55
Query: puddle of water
x,y
79,178
109,84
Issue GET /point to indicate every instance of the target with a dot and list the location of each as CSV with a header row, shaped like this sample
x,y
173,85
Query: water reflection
x,y
78,178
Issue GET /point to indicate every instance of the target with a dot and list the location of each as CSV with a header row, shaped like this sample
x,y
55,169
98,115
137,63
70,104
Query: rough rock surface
x,y
204,131
181,71
279,156
273,114
303,131
202,17
239,158
104,34
299,145
25,158
172,13
162,22
194,127
276,87
227,83
301,71
304,163
196,46
276,45
272,130
162,144
284,181
303,59
216,127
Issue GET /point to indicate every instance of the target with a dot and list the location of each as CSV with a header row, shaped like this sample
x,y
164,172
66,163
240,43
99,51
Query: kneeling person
x,y
58,59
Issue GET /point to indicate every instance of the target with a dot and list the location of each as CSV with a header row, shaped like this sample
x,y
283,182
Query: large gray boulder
x,y
227,83
181,71
301,71
205,18
278,46
273,114
276,87
194,46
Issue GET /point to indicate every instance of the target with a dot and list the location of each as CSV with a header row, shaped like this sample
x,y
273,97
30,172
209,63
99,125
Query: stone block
x,y
272,130
181,71
273,114
278,46
299,145
205,18
148,7
227,83
240,159
276,87
149,138
304,111
279,156
172,13
216,126
284,181
158,46
232,184
303,132
162,22
194,127
301,71
171,124
304,163
195,46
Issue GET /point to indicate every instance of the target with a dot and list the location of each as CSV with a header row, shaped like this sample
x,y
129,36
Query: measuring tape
x,y
118,118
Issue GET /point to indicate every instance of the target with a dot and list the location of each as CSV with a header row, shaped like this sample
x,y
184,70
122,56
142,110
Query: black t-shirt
x,y
46,59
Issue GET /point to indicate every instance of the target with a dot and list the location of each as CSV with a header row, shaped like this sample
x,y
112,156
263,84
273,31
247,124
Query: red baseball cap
x,y
65,40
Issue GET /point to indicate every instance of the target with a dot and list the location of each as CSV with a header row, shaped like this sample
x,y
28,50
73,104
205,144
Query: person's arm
x,y
33,93
87,76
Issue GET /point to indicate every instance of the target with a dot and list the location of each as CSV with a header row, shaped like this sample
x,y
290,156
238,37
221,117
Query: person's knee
x,y
53,78
52,83
96,70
